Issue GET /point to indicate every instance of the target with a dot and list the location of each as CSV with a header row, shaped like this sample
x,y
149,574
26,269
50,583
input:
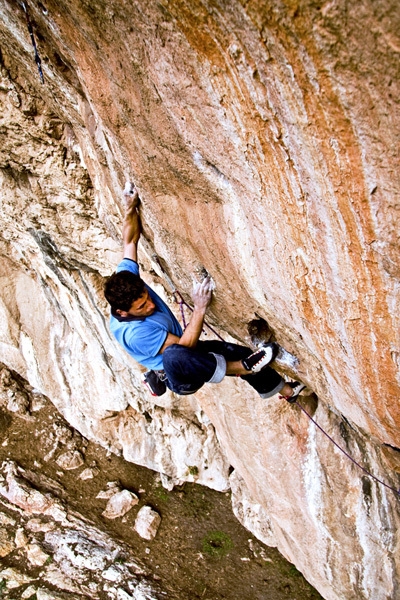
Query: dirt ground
x,y
200,551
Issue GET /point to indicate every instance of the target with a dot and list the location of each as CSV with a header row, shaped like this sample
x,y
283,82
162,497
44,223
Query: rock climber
x,y
146,328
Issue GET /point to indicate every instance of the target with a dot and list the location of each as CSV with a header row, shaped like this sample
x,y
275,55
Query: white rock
x,y
147,522
37,402
123,595
167,482
21,539
39,525
6,543
142,591
88,473
72,459
6,520
30,500
113,484
43,594
106,494
56,577
29,592
112,488
20,493
112,574
14,578
57,512
119,504
35,555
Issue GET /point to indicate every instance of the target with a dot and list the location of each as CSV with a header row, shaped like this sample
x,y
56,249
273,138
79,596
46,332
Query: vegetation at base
x,y
216,544
161,494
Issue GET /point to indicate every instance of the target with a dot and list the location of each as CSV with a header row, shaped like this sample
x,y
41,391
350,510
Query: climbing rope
x,y
389,487
181,301
30,29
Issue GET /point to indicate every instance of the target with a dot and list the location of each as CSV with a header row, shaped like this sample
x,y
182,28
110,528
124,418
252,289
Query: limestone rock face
x,y
264,139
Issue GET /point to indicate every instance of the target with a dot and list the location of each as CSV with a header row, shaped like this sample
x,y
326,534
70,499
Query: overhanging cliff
x,y
264,142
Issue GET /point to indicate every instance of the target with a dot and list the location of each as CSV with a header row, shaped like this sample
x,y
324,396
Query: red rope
x,y
182,314
181,301
344,451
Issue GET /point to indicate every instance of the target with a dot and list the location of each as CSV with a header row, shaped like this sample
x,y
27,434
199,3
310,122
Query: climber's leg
x,y
267,382
188,369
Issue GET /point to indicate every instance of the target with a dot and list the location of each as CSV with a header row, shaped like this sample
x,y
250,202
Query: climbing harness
x,y
389,487
155,382
181,301
30,29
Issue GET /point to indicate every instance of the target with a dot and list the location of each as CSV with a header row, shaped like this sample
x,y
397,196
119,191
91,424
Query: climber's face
x,y
143,306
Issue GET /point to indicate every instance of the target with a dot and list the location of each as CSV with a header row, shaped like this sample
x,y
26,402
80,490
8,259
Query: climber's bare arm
x,y
201,297
170,339
131,226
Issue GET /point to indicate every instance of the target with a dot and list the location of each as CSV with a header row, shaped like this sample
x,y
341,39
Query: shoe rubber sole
x,y
297,388
261,358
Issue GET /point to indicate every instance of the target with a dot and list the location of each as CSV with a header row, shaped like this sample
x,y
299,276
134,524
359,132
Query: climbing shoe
x,y
297,388
261,358
155,382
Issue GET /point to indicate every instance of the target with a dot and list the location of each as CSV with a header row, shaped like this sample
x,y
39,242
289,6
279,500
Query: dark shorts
x,y
188,369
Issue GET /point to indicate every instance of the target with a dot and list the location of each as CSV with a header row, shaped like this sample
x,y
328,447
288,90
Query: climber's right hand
x,y
131,197
202,294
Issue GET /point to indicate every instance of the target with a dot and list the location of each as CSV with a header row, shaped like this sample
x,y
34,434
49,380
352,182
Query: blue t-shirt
x,y
143,337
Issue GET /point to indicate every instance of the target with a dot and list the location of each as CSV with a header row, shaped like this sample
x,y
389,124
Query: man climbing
x,y
146,328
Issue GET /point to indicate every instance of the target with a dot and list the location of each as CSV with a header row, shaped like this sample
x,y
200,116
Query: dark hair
x,y
123,288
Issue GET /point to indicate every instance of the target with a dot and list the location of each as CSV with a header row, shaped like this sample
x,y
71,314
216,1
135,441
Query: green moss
x,y
216,544
161,494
